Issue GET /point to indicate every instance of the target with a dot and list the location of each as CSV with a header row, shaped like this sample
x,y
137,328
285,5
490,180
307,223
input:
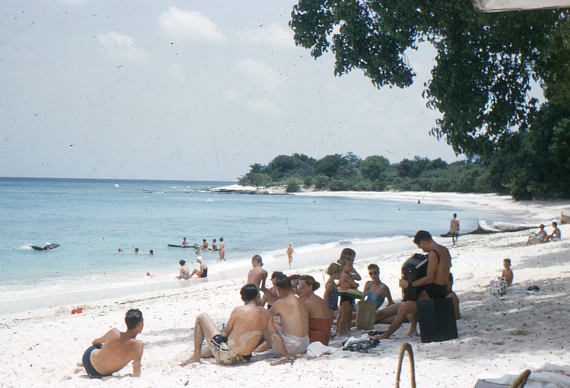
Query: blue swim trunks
x,y
91,371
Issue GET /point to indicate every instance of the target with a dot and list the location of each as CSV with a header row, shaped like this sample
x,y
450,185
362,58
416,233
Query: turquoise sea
x,y
91,219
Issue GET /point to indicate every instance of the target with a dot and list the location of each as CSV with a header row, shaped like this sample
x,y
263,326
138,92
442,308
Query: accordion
x,y
414,268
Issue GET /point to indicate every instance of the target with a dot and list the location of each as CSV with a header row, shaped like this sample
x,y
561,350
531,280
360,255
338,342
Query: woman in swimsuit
x,y
222,251
202,272
320,317
184,272
375,290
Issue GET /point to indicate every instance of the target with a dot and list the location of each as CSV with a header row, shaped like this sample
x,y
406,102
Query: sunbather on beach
x,y
292,338
433,285
320,317
116,349
240,336
202,272
539,237
184,272
375,290
256,274
556,234
347,282
507,273
222,251
331,291
270,295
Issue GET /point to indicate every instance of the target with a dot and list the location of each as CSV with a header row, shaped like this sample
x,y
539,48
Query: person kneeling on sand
x,y
507,273
240,336
434,285
116,349
292,337
320,317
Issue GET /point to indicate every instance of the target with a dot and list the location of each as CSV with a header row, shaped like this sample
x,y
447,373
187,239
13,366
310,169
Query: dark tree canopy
x,y
484,66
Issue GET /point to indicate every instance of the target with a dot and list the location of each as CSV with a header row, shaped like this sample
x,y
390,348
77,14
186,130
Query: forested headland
x,y
375,173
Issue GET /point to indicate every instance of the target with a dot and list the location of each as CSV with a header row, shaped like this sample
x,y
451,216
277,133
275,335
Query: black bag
x,y
437,319
414,268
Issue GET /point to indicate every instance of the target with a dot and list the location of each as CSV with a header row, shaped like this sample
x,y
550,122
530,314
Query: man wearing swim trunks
x,y
292,338
116,349
242,333
433,285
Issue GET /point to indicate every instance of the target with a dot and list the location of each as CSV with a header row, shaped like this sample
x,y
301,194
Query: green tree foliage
x,y
484,64
348,172
481,83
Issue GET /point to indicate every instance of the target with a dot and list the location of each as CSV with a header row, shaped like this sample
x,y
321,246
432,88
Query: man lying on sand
x,y
433,285
243,332
116,349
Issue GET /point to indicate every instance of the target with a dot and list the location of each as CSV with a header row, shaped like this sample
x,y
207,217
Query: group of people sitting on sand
x,y
294,316
541,236
185,274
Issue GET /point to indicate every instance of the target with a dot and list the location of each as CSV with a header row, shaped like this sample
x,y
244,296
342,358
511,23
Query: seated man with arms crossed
x,y
433,285
238,339
116,349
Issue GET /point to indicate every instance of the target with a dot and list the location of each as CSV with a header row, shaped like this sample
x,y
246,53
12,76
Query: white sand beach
x,y
497,336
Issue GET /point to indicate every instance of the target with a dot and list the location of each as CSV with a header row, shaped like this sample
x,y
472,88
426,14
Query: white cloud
x,y
265,75
264,105
272,35
189,25
122,46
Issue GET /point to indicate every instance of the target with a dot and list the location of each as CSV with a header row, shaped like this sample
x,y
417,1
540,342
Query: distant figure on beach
x,y
434,284
270,295
348,279
238,339
507,273
539,237
331,291
184,272
116,349
202,272
184,242
204,244
292,338
222,251
256,274
320,317
214,245
290,251
136,251
454,228
556,234
374,290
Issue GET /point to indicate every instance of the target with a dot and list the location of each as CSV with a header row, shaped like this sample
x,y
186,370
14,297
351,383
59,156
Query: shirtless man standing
x,y
257,275
242,333
454,228
116,349
433,285
292,337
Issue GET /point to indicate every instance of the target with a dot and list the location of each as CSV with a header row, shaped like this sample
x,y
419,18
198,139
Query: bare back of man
x,y
243,332
257,276
118,350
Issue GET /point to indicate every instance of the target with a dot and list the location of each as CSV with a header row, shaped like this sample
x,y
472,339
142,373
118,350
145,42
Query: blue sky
x,y
191,90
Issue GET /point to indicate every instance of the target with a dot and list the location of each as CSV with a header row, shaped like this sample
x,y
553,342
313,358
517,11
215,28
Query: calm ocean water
x,y
91,219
